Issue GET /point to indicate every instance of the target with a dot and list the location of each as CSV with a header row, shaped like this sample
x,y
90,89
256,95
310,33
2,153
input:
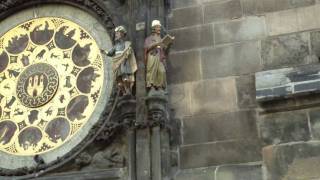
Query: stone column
x,y
138,14
160,148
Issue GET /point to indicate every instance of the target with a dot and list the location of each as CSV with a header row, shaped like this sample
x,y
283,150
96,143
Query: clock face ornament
x,y
51,76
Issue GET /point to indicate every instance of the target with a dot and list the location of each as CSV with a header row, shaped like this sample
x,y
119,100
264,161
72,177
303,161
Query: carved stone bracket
x,y
124,117
157,111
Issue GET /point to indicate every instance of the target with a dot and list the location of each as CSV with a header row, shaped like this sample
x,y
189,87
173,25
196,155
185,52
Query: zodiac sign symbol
x,y
13,73
68,83
35,85
10,103
54,56
25,60
41,54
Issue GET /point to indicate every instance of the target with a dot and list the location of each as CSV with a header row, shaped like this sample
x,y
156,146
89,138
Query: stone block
x,y
219,127
279,5
293,161
193,37
252,7
287,82
184,3
306,20
222,10
285,51
184,67
212,96
239,172
179,99
315,43
284,127
282,22
186,17
246,91
196,174
315,123
251,28
231,60
218,153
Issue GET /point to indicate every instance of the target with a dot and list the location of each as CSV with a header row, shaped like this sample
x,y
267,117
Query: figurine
x,y
123,62
155,58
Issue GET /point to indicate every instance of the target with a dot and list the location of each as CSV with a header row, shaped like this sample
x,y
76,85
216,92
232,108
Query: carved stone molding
x,y
94,7
123,118
157,111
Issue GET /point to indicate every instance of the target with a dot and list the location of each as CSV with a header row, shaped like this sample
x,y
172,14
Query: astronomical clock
x,y
54,86
51,73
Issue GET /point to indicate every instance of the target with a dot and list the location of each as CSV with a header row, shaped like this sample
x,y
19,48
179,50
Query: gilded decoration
x,y
51,75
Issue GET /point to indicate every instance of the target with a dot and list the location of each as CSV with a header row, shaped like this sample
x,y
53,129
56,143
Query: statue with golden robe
x,y
155,58
123,62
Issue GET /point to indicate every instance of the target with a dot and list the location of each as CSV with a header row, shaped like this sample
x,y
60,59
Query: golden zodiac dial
x,y
51,75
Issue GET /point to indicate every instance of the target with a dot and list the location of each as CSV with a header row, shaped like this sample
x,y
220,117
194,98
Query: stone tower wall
x,y
220,45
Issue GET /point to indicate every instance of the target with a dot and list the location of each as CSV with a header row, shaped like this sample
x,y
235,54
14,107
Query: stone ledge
x,y
114,174
239,172
287,82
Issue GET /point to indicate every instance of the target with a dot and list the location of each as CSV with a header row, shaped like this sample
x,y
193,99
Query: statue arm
x,y
153,46
109,53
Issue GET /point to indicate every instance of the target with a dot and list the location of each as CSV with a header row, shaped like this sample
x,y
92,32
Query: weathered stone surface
x,y
306,20
251,28
219,127
252,7
114,174
286,50
194,37
222,10
211,96
231,60
239,172
196,174
246,91
315,43
284,127
184,3
287,82
179,99
293,161
278,5
184,67
293,20
315,123
186,17
282,22
211,154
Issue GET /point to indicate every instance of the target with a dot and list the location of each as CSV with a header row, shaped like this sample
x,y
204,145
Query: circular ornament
x,y
51,81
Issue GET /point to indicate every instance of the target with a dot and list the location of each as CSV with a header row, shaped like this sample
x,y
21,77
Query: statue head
x,y
120,32
156,26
